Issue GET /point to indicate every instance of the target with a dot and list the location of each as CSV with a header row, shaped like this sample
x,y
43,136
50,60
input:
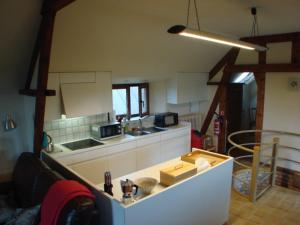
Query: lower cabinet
x,y
148,155
174,147
123,163
130,157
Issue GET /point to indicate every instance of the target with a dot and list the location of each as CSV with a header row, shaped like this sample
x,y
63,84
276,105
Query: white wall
x,y
158,100
19,21
282,112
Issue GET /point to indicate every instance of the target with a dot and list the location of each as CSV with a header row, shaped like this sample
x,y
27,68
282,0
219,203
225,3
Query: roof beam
x,y
55,5
233,52
273,38
220,90
296,51
260,68
33,92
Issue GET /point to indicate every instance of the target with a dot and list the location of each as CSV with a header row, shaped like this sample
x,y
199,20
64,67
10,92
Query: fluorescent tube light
x,y
217,38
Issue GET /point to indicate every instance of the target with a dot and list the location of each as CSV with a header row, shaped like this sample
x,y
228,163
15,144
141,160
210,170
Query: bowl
x,y
146,184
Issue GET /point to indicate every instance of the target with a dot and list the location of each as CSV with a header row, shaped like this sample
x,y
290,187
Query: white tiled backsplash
x,y
65,130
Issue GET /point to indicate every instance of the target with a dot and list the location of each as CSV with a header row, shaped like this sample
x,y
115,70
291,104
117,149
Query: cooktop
x,y
85,143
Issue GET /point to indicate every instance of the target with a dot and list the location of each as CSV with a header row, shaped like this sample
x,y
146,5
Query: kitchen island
x,y
201,199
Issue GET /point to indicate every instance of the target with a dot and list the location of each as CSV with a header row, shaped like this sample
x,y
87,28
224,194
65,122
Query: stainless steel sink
x,y
138,132
155,129
145,131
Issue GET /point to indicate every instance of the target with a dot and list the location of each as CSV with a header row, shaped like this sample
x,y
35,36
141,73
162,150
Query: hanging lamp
x,y
208,36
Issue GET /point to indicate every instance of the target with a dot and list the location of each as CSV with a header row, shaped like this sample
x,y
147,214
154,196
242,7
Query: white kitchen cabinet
x,y
84,93
174,148
53,109
148,155
122,163
175,144
92,170
148,151
87,98
186,87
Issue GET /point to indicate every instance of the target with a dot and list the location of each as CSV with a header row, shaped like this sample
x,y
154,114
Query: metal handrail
x,y
257,162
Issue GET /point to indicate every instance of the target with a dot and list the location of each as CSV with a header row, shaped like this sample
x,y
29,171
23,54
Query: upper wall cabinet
x,y
53,109
187,87
79,94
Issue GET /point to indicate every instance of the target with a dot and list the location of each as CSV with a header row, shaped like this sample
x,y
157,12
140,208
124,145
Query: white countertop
x,y
154,172
61,151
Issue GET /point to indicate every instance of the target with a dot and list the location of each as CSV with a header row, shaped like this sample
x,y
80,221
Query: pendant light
x,y
208,36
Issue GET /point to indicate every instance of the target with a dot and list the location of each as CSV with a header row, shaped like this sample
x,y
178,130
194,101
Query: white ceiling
x,y
130,38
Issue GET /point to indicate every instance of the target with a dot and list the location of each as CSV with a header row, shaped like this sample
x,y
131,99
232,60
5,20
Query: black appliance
x,y
166,119
86,143
106,130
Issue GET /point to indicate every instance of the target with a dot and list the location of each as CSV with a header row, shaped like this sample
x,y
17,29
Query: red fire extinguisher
x,y
218,123
217,127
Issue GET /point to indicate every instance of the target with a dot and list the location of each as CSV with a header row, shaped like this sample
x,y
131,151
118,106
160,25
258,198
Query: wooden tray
x,y
213,158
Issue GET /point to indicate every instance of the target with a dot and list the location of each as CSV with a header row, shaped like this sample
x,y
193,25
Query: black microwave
x,y
166,119
106,130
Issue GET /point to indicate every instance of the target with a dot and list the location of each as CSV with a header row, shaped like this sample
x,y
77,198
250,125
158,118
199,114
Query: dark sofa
x,y
30,182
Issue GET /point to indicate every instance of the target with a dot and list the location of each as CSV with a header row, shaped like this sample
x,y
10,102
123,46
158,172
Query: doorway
x,y
241,106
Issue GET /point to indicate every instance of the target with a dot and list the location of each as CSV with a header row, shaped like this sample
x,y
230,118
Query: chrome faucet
x,y
140,127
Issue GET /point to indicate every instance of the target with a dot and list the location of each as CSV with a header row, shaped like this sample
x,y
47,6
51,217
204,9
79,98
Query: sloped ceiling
x,y
130,38
19,21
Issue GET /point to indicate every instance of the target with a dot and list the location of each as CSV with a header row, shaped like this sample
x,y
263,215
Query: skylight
x,y
244,77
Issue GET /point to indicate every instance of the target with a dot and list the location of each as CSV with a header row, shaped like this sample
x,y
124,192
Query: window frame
x,y
128,106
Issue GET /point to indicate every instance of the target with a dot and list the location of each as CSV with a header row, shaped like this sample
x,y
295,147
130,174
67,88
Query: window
x,y
131,99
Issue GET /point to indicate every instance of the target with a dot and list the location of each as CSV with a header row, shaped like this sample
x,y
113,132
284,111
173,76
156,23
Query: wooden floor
x,y
278,206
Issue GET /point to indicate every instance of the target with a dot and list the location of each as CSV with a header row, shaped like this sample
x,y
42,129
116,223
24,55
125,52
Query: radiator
x,y
194,118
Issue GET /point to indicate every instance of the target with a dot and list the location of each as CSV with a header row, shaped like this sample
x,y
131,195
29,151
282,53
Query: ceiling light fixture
x,y
207,36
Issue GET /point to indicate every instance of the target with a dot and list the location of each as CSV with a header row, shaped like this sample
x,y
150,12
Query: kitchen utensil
x,y
108,185
129,189
146,184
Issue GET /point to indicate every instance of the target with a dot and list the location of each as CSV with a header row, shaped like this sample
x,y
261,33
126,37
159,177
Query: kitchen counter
x,y
202,199
61,151
125,154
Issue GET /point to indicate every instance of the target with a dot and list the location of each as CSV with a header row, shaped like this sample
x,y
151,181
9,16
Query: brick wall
x,y
288,178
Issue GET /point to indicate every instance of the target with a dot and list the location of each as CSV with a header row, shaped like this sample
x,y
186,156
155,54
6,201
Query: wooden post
x,y
223,113
260,79
260,102
42,49
274,159
47,26
254,173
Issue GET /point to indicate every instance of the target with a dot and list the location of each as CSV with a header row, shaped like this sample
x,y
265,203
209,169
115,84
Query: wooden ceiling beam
x,y
220,64
33,92
55,5
220,90
296,51
257,68
273,38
